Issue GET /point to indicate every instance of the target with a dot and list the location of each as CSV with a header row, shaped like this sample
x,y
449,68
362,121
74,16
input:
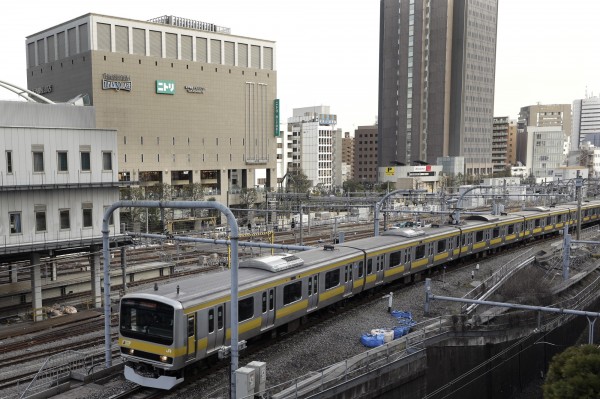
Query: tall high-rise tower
x,y
437,62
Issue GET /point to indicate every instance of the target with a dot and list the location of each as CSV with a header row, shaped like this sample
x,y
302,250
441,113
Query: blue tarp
x,y
371,341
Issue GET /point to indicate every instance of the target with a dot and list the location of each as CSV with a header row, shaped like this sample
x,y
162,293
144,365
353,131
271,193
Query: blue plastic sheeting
x,y
401,315
371,341
401,331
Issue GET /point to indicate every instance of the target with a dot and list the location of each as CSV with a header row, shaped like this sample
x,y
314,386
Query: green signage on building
x,y
276,113
165,87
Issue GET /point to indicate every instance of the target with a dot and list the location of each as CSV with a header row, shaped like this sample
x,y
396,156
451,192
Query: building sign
x,y
42,90
426,168
165,87
276,115
116,82
194,89
390,171
413,174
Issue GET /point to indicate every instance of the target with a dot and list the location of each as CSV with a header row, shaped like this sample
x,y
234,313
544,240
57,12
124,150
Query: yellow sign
x,y
390,171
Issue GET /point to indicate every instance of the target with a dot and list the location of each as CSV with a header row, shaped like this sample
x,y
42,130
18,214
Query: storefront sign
x,y
276,114
421,173
165,87
422,168
42,90
194,89
116,82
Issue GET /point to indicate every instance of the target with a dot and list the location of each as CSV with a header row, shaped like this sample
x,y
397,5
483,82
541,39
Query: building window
x,y
9,162
87,215
106,160
63,165
15,222
64,219
85,161
40,219
38,161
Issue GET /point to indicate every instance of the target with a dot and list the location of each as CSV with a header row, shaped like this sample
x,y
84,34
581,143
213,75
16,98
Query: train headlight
x,y
131,351
163,358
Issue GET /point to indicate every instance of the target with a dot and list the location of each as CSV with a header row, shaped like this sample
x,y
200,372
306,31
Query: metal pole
x,y
566,252
578,184
234,270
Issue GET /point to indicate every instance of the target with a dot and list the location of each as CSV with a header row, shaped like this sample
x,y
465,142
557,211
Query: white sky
x,y
328,50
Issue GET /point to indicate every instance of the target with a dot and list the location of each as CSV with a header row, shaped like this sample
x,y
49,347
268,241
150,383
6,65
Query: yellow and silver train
x,y
165,328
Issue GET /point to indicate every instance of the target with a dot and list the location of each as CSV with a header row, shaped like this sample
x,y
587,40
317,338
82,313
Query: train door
x,y
216,327
191,336
407,259
268,308
313,292
348,279
379,267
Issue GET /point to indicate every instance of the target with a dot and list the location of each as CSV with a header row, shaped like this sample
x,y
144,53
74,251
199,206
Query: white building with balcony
x,y
58,174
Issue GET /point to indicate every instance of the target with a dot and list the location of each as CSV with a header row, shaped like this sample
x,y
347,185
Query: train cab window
x,y
479,236
332,279
148,320
496,232
511,229
369,266
395,259
211,320
441,246
220,317
246,309
292,292
264,300
191,324
420,252
361,269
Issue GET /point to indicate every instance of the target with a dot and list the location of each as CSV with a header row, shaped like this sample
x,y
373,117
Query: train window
x,y
220,317
264,301
272,299
332,279
191,324
537,223
346,274
511,228
395,259
211,320
464,240
479,236
441,246
548,220
369,266
361,268
309,286
292,292
420,252
246,309
496,232
351,272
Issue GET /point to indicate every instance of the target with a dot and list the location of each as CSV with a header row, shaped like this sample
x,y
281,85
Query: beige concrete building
x,y
347,157
191,102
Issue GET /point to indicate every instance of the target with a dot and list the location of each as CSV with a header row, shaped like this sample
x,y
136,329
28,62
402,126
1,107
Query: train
x,y
166,328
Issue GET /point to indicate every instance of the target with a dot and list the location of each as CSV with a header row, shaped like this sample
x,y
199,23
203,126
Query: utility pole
x,y
578,184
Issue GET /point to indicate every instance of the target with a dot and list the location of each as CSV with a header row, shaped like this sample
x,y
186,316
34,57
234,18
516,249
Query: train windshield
x,y
147,320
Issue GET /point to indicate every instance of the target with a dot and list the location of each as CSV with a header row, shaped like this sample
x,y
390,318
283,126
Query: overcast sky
x,y
327,50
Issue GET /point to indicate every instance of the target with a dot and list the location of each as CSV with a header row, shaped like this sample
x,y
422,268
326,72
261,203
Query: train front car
x,y
152,345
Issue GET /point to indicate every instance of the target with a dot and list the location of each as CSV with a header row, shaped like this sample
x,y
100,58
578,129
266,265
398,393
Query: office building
x,y
313,138
503,143
192,103
436,81
539,115
586,122
545,150
365,153
347,157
